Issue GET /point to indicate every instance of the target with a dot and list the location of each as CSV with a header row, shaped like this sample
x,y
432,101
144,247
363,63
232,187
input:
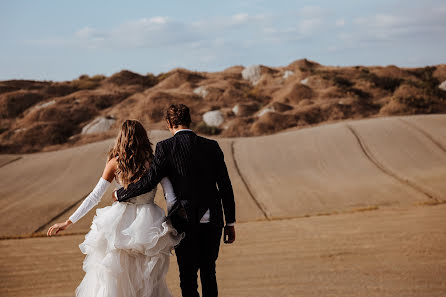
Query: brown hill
x,y
255,100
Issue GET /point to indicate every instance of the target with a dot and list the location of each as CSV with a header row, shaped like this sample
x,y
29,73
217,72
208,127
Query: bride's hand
x,y
58,227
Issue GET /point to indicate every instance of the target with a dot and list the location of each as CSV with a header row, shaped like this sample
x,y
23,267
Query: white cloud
x,y
399,26
332,48
387,20
308,26
381,20
311,11
161,32
340,23
360,20
240,18
85,32
151,32
310,19
157,20
243,31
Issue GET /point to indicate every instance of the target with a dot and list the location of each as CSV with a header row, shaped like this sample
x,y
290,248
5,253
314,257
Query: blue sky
x,y
60,40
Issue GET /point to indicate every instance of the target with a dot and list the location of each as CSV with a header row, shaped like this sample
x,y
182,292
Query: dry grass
x,y
329,94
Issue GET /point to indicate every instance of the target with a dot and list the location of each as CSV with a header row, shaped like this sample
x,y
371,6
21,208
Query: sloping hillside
x,y
342,167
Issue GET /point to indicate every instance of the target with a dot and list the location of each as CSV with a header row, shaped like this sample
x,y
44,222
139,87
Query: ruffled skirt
x,y
127,252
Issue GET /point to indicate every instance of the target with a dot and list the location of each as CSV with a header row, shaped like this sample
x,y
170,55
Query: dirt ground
x,y
374,253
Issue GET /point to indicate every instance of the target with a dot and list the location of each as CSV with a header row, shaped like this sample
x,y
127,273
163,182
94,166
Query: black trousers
x,y
199,251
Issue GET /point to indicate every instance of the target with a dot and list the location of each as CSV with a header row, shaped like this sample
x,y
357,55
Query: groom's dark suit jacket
x,y
195,165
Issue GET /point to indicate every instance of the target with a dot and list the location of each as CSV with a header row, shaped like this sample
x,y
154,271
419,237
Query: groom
x,y
195,165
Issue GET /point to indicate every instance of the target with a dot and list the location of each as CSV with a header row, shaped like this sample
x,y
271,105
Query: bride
x,y
128,247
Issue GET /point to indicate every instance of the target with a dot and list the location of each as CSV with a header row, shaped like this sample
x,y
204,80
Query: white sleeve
x,y
169,194
92,200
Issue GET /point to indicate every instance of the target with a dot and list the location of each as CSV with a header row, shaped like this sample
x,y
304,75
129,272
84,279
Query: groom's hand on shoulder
x,y
229,234
114,196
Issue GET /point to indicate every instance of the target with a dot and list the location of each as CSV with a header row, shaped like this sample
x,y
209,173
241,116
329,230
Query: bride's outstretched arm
x,y
90,201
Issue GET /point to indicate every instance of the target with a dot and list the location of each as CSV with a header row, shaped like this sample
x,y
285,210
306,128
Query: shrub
x,y
255,94
151,79
421,104
162,76
98,77
59,89
382,82
39,135
387,83
105,100
359,93
414,97
342,82
14,103
428,83
425,73
201,127
365,70
272,122
84,82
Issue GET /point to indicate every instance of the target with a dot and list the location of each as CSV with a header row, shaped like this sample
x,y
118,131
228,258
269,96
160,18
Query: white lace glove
x,y
91,201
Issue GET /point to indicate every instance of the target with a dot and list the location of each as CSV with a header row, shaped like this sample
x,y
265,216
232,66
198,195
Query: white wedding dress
x,y
127,250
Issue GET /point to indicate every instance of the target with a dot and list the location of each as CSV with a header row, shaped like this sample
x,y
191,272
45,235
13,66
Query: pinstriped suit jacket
x,y
195,165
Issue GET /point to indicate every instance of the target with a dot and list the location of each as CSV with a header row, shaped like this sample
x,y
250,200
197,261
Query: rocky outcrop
x,y
201,91
252,73
98,125
287,74
213,118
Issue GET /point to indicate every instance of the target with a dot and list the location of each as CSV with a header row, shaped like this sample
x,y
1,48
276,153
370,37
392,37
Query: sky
x,y
61,40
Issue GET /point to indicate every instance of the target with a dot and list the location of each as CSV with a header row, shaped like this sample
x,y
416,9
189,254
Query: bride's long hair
x,y
133,151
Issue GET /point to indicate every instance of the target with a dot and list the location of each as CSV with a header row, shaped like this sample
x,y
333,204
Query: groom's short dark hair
x,y
178,115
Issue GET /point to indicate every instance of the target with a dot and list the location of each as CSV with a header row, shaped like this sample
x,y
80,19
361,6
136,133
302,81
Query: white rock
x,y
252,73
244,110
20,130
266,110
287,74
98,125
213,118
304,81
236,109
46,104
201,91
442,86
